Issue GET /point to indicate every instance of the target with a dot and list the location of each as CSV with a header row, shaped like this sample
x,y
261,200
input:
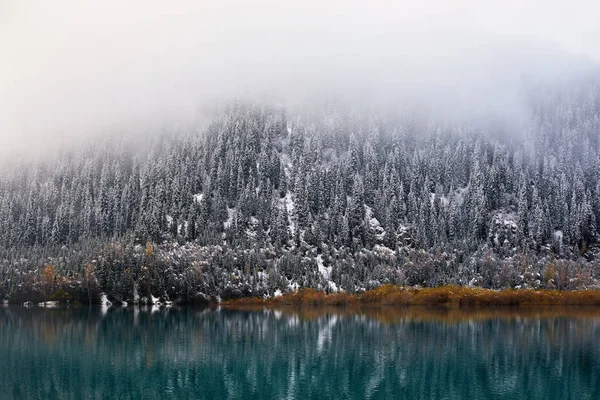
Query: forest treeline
x,y
264,200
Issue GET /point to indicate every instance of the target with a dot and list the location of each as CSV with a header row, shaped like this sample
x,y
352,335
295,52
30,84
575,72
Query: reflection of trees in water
x,y
272,354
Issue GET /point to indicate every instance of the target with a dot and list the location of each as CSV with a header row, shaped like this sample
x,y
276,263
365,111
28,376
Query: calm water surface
x,y
187,353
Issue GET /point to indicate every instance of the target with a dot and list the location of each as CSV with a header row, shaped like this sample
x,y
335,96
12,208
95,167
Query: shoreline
x,y
446,296
386,295
383,313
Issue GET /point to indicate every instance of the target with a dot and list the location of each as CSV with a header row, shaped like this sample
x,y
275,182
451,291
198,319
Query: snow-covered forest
x,y
265,200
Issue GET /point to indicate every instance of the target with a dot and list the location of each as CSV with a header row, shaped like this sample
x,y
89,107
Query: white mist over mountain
x,y
73,69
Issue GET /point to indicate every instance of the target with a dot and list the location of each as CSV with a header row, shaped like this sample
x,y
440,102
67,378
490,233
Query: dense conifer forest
x,y
266,199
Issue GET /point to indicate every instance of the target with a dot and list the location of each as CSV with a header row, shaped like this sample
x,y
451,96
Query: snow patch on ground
x,y
199,197
558,236
277,293
374,224
333,286
104,300
230,216
323,270
286,161
288,202
460,195
376,227
105,304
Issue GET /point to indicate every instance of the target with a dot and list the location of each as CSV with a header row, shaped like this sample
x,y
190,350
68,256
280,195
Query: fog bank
x,y
74,69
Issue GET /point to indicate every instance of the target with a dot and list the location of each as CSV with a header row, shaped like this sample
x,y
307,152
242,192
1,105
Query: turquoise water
x,y
311,354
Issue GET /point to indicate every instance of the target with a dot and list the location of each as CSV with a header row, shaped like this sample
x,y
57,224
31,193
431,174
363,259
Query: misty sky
x,y
72,68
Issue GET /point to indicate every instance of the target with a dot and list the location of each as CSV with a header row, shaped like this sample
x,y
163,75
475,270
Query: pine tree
x,y
522,217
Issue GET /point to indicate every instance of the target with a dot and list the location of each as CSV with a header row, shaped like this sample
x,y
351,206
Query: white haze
x,y
70,68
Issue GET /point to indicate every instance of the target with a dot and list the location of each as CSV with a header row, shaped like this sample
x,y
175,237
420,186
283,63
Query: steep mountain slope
x,y
265,201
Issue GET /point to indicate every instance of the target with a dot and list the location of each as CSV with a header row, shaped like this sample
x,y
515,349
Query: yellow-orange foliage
x,y
48,273
451,296
149,249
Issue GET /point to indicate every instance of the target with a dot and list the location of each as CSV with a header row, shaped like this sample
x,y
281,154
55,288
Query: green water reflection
x,y
188,353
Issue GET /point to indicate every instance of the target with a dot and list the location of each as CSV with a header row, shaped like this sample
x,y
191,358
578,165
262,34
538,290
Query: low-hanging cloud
x,y
71,69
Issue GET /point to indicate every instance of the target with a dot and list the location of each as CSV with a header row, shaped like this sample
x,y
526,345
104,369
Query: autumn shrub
x,y
379,294
451,296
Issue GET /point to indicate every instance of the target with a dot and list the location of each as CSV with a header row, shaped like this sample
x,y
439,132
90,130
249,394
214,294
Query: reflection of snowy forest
x,y
189,353
263,200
